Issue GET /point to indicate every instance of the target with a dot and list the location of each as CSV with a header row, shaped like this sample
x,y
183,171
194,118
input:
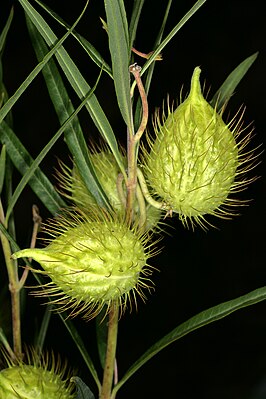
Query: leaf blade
x,y
173,32
226,90
13,99
88,47
201,319
22,161
64,109
119,50
77,81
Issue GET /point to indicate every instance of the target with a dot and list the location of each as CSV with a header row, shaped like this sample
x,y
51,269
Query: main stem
x,y
14,289
108,375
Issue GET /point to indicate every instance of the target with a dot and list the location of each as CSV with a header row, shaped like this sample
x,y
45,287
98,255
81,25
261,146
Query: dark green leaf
x,y
4,32
148,78
63,106
223,94
22,161
39,342
12,100
101,334
173,32
2,167
3,36
83,391
80,345
202,319
134,21
120,54
88,47
77,81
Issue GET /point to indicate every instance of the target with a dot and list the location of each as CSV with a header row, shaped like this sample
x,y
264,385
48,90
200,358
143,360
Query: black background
x,y
197,269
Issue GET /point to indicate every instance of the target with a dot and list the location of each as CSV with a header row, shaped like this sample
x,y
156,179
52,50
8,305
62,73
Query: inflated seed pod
x,y
107,172
32,381
93,260
194,160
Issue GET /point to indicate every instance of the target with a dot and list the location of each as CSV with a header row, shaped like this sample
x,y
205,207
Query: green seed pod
x,y
23,381
107,172
92,261
194,159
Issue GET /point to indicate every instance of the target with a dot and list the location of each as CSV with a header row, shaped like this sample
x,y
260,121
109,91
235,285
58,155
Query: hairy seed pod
x,y
194,159
107,172
23,381
92,261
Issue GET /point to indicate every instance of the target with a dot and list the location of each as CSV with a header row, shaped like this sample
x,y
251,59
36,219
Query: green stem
x,y
108,375
147,195
14,288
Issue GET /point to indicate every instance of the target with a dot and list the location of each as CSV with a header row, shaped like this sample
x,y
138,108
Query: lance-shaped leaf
x,y
223,94
88,47
22,161
200,320
120,53
76,80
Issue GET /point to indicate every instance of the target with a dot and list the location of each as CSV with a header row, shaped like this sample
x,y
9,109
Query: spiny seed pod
x,y
32,381
107,171
195,162
93,260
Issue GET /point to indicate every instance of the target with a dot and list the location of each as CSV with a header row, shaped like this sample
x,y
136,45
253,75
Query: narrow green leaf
x,y
12,100
173,32
120,54
80,345
83,391
223,94
2,167
156,44
4,32
63,106
202,319
77,81
22,161
3,36
148,78
134,20
101,335
35,164
39,342
88,47
13,243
